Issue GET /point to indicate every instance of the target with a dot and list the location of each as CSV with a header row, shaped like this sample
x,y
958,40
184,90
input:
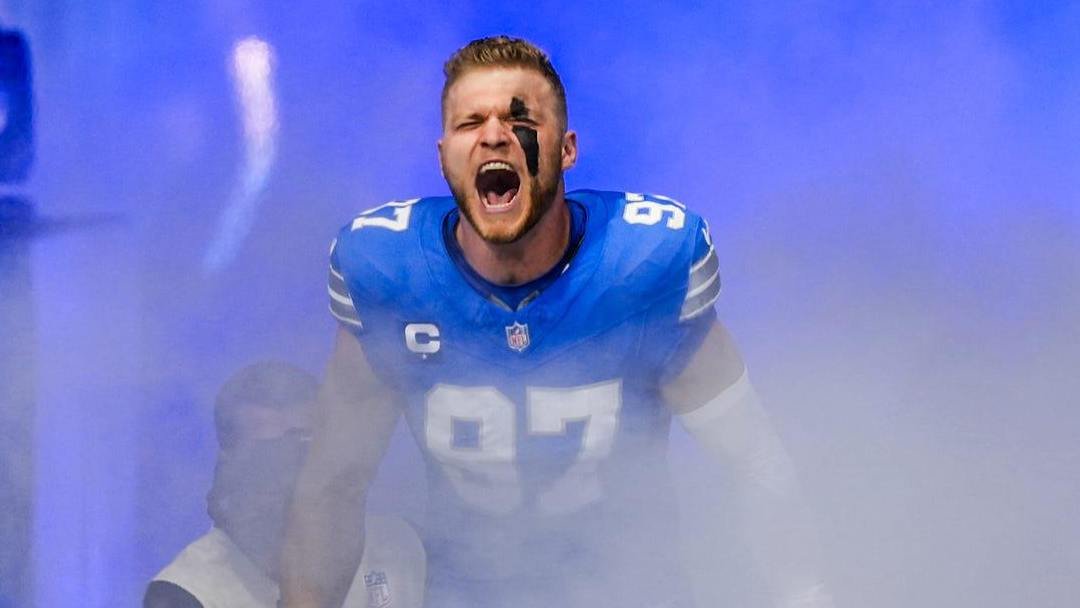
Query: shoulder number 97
x,y
398,220
640,210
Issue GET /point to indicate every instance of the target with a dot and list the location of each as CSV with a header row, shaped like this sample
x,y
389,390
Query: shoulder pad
x,y
665,248
377,255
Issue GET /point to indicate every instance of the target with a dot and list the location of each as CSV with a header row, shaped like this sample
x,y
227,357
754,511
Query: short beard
x,y
541,198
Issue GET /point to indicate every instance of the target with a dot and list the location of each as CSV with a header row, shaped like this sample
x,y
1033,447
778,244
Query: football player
x,y
262,415
539,343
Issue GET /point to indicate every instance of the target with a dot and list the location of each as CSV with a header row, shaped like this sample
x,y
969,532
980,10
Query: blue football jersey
x,y
542,427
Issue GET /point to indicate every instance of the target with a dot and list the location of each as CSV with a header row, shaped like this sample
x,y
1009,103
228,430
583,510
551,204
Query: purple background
x,y
892,191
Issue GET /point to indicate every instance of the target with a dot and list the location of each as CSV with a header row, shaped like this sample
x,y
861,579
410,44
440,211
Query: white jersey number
x,y
485,475
398,222
638,210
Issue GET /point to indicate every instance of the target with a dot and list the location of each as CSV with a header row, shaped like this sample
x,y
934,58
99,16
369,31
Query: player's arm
x,y
714,401
354,419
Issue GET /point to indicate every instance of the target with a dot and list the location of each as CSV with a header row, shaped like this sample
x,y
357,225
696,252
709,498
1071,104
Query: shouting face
x,y
503,150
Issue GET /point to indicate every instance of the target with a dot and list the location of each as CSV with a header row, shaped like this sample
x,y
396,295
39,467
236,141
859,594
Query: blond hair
x,y
503,51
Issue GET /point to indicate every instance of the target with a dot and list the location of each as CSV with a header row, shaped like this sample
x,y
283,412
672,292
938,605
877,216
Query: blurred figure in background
x,y
262,416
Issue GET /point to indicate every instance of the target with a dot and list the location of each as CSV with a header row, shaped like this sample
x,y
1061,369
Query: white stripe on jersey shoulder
x,y
693,309
702,287
343,298
710,254
341,303
703,284
352,321
342,307
334,263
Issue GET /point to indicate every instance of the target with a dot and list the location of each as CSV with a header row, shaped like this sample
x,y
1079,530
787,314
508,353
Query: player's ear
x,y
438,148
569,149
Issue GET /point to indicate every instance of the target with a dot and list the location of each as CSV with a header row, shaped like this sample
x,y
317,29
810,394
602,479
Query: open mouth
x,y
497,183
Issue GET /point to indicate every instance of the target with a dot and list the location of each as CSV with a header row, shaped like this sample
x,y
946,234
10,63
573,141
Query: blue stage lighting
x,y
16,108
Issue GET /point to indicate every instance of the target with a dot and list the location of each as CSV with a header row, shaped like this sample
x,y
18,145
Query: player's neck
x,y
524,260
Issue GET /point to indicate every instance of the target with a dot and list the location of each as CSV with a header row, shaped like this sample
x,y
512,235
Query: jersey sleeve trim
x,y
703,288
341,303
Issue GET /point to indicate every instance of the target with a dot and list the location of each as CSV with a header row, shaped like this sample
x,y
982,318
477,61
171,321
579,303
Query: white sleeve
x,y
733,427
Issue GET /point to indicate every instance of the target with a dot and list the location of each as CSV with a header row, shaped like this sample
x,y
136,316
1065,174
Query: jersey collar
x,y
544,311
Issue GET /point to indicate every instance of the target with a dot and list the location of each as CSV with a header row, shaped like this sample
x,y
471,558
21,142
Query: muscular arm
x,y
715,402
354,420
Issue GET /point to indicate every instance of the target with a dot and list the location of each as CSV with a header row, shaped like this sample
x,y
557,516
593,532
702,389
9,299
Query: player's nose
x,y
494,133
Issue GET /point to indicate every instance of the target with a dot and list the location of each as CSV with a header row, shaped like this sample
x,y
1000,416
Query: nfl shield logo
x,y
378,589
517,336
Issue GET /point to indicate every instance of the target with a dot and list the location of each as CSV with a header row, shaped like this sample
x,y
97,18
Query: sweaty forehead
x,y
485,90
